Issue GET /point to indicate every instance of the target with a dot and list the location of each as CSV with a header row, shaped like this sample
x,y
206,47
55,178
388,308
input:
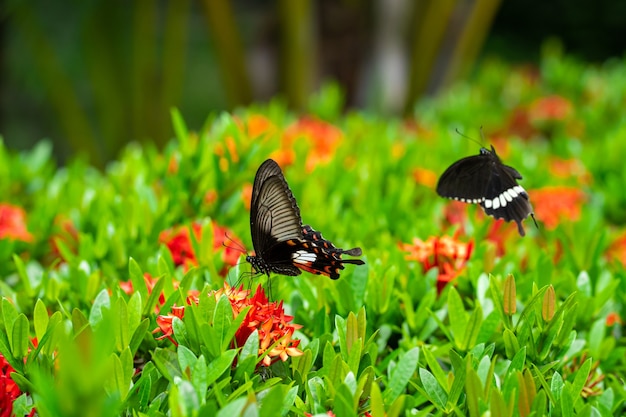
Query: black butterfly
x,y
281,243
483,179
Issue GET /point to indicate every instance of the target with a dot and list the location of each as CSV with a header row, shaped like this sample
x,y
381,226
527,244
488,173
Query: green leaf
x,y
218,366
400,375
9,315
222,319
272,402
580,379
435,368
473,390
458,317
435,392
472,329
377,407
556,385
166,362
567,402
102,301
517,363
136,277
19,336
199,378
186,360
21,271
40,319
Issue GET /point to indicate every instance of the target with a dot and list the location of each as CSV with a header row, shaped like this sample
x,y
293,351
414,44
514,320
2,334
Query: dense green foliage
x,y
528,326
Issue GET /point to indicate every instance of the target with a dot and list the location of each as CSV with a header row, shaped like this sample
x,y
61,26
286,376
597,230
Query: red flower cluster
x,y
178,241
445,253
617,250
9,390
553,204
13,223
269,319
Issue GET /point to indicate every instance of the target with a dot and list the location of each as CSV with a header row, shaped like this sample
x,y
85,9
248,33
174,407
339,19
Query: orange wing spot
x,y
291,243
308,267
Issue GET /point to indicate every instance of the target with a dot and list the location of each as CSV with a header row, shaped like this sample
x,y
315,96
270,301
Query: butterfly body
x,y
483,179
281,243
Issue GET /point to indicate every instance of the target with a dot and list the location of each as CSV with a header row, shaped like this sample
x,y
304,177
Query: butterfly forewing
x,y
465,179
275,216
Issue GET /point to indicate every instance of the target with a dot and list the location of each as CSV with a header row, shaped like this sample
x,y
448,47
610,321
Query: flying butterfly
x,y
281,243
483,179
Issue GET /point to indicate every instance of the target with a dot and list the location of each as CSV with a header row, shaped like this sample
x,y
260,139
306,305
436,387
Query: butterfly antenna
x,y
534,220
237,246
481,144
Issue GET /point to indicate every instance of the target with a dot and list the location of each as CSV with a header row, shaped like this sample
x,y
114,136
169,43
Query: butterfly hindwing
x,y
327,260
483,179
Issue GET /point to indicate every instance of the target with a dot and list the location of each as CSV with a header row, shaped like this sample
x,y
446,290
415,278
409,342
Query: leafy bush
x,y
125,292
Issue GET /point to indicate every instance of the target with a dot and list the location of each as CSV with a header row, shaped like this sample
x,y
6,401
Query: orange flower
x,y
617,250
612,319
178,242
210,197
323,137
425,177
553,107
13,223
246,195
256,126
165,323
268,319
568,168
445,253
172,165
553,204
231,146
283,157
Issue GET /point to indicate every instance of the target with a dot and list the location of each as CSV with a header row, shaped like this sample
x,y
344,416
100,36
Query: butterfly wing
x,y
267,169
465,180
275,216
275,223
322,257
505,198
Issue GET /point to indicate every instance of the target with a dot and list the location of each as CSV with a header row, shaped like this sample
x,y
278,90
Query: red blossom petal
x,y
13,223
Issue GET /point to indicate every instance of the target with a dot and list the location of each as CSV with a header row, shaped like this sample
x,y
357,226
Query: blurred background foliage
x,y
93,75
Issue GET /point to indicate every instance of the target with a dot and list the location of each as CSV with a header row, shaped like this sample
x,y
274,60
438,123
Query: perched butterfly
x,y
483,179
281,243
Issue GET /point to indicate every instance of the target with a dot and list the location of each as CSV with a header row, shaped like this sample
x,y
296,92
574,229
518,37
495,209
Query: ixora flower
x,y
178,241
553,204
552,107
617,250
268,318
323,137
13,223
445,253
9,391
